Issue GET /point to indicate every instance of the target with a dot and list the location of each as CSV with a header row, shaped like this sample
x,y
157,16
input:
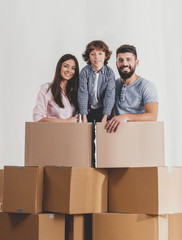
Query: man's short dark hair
x,y
126,48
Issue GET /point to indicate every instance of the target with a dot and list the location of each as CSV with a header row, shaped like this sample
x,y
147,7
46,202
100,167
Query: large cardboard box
x,y
23,189
135,144
1,185
74,190
32,227
61,144
107,226
79,227
154,190
175,229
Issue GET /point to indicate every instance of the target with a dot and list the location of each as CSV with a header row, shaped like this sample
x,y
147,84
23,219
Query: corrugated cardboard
x,y
79,227
154,190
1,185
62,144
32,227
135,144
175,226
109,226
23,189
73,190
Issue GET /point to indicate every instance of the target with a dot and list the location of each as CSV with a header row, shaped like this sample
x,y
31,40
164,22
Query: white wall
x,y
36,33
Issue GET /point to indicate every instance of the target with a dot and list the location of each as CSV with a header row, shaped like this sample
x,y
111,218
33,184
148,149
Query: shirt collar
x,y
93,70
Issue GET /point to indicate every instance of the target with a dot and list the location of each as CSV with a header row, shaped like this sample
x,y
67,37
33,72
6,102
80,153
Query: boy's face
x,y
97,58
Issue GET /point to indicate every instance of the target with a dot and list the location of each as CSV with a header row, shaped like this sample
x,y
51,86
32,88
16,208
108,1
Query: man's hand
x,y
113,124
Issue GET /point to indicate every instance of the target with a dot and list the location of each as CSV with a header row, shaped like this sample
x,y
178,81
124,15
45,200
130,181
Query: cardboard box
x,y
73,190
32,227
1,185
79,227
175,229
23,189
135,144
62,144
154,190
107,226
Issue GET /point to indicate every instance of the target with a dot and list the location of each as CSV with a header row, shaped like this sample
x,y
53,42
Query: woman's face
x,y
68,69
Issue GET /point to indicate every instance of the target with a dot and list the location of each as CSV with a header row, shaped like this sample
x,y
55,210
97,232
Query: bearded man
x,y
136,97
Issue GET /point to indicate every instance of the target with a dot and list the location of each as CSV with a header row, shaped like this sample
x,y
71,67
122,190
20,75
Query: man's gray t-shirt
x,y
132,98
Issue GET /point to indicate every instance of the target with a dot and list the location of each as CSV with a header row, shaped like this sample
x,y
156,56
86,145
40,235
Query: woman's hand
x,y
72,119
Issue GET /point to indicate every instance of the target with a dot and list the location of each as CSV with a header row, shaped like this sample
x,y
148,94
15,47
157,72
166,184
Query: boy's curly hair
x,y
99,45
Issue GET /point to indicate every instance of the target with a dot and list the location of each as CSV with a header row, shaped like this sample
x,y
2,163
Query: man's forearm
x,y
151,112
141,117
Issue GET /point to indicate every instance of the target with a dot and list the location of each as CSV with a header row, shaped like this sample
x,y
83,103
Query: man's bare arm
x,y
151,113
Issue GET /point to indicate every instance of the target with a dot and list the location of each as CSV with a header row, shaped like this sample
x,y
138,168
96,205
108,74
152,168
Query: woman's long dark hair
x,y
72,85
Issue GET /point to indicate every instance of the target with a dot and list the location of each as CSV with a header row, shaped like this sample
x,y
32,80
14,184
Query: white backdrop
x,y
36,33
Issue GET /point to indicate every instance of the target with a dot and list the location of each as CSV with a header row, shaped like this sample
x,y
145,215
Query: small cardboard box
x,y
73,190
32,227
61,144
23,189
152,190
107,226
175,229
135,144
79,227
1,185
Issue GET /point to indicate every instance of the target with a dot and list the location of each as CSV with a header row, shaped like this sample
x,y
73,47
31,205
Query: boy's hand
x,y
84,118
104,119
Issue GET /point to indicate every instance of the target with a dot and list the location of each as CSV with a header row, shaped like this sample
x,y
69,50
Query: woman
x,y
57,101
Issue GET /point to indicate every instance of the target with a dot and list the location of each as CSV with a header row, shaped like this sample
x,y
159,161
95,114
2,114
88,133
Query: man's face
x,y
126,64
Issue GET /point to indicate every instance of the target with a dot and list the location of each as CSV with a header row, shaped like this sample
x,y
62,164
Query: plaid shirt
x,y
105,90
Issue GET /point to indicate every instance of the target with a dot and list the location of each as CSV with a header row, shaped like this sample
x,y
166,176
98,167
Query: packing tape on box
x,y
19,210
170,169
51,215
95,143
79,118
21,167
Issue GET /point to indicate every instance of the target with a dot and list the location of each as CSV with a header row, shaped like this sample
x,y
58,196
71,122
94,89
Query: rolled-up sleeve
x,y
109,98
83,92
40,109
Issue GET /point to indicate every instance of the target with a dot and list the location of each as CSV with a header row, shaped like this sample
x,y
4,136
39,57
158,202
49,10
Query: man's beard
x,y
126,75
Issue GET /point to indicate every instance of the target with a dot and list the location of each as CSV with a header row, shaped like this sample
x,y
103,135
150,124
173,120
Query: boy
x,y
96,91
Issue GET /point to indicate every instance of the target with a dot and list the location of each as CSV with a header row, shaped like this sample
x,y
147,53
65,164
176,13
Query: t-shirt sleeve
x,y
149,93
40,109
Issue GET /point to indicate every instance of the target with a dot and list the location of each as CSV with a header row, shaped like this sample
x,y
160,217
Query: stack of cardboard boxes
x,y
52,202
1,188
131,194
145,196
